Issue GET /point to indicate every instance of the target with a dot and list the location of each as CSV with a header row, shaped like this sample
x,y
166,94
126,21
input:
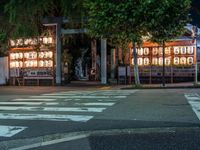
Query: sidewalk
x,y
97,84
86,85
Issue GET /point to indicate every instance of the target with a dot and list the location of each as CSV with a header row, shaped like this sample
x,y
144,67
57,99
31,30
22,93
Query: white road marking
x,y
81,96
30,99
73,109
95,104
46,117
28,103
8,131
50,96
194,101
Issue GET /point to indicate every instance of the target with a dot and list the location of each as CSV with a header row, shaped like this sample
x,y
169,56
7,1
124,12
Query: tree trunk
x,y
136,71
163,74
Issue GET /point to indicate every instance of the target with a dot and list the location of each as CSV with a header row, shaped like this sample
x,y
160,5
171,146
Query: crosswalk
x,y
77,106
194,101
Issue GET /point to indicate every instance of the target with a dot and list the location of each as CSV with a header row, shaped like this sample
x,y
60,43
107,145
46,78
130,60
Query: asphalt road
x,y
135,109
184,139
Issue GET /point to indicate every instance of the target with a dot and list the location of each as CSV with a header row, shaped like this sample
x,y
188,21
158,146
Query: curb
x,y
166,87
23,144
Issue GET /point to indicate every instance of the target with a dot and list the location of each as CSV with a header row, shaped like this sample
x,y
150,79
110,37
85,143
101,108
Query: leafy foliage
x,y
115,19
167,18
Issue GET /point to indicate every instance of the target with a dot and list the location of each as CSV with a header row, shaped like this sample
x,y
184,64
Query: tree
x,y
26,16
132,19
166,21
117,19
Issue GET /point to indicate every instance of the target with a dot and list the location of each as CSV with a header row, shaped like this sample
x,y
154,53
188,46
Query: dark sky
x,y
195,12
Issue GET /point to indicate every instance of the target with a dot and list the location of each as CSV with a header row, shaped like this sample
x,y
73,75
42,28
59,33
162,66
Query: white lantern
x,y
155,61
146,51
50,40
183,60
50,54
146,61
140,51
183,50
190,50
160,50
167,51
176,60
12,43
140,61
176,50
155,51
167,61
35,63
160,61
190,60
45,40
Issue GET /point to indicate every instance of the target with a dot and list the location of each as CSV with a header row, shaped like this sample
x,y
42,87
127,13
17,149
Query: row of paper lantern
x,y
159,51
31,63
31,55
168,61
31,41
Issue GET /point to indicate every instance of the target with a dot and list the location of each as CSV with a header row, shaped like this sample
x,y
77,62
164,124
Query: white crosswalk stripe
x,y
27,103
72,109
194,101
49,117
31,99
80,106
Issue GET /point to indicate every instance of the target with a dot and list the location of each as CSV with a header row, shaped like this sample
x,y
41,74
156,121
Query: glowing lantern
x,y
176,50
160,50
190,60
176,60
167,61
155,51
146,51
183,50
12,43
146,61
183,61
140,61
167,51
155,61
190,50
